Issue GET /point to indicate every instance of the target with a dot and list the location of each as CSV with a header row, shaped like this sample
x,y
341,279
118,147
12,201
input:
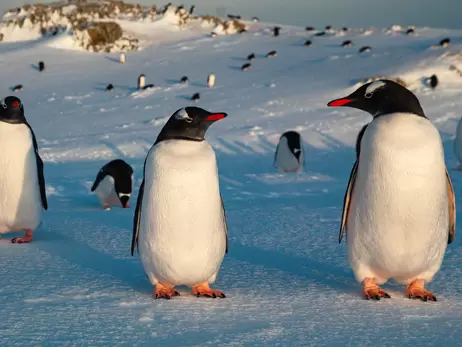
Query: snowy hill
x,y
287,280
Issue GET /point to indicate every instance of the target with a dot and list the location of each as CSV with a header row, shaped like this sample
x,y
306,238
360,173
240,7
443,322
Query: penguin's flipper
x,y
358,140
99,177
347,200
137,218
40,174
224,222
275,154
452,209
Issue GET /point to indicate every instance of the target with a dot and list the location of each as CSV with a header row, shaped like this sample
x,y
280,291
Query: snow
x,y
286,278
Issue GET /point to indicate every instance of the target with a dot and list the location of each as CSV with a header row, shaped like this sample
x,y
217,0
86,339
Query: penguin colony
x,y
391,150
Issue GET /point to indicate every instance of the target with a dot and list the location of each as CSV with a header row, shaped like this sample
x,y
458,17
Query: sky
x,y
351,13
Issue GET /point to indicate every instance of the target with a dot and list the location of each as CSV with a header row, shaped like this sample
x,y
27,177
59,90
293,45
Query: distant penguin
x,y
122,58
196,97
310,29
410,31
344,29
255,19
213,34
110,87
113,184
365,49
251,57
458,145
191,10
308,43
179,225
289,156
445,42
246,67
328,27
276,31
320,33
17,88
22,181
148,86
41,66
347,43
271,54
211,80
184,80
433,81
141,81
399,207
241,31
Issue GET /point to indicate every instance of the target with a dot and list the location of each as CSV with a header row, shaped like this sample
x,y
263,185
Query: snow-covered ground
x,y
286,278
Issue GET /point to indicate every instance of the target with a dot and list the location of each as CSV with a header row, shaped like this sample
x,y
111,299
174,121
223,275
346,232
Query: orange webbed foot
x,y
203,289
416,290
373,291
163,292
26,239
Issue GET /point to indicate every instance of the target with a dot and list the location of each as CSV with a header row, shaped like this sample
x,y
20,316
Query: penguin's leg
x,y
164,292
26,239
203,289
416,290
106,206
372,290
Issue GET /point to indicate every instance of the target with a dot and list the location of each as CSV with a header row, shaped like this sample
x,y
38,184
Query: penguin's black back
x,y
293,140
120,171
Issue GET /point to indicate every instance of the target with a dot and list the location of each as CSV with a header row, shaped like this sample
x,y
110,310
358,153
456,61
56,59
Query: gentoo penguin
x,y
309,28
432,81
141,81
246,67
251,57
458,145
184,80
180,223
191,9
399,207
347,43
122,58
271,54
307,43
110,87
410,31
41,66
17,88
22,182
113,184
445,42
196,97
289,156
276,31
365,49
211,80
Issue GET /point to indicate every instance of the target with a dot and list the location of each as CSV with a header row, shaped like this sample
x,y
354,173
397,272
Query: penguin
x,y
347,43
196,97
320,33
365,49
410,31
251,57
310,28
213,34
17,88
179,225
246,67
141,81
211,80
276,31
432,81
113,184
458,145
271,54
148,86
255,19
307,43
191,9
289,156
23,196
122,58
184,80
345,29
41,66
399,207
445,42
110,87
328,27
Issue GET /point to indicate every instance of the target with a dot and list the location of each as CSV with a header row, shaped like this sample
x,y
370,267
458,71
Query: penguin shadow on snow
x,y
102,87
35,67
113,59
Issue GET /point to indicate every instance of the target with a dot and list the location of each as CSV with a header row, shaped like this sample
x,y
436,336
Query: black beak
x,y
124,201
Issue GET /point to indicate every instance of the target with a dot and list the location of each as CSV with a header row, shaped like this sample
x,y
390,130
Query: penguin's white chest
x,y
286,161
106,192
182,237
398,220
20,202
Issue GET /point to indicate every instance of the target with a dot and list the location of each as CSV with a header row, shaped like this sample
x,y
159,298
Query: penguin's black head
x,y
381,97
294,142
189,123
12,110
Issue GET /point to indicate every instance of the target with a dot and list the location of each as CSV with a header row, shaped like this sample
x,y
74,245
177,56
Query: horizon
x,y
313,13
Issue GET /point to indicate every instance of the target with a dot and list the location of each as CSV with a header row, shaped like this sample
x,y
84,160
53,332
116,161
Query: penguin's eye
x,y
368,95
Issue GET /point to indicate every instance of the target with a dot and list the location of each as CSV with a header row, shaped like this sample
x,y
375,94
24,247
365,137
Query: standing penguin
x,y
458,145
114,183
399,206
22,182
289,156
180,224
211,80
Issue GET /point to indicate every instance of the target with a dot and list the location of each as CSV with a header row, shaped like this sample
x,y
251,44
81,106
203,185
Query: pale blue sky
x,y
353,13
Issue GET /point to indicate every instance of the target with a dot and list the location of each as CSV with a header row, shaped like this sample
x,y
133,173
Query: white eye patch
x,y
123,194
296,150
183,115
373,88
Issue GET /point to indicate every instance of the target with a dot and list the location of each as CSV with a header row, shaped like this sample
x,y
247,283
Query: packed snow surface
x,y
286,278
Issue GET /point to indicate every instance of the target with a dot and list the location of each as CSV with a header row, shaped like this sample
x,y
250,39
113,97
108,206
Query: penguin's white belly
x,y
20,201
182,237
398,221
106,192
286,160
458,142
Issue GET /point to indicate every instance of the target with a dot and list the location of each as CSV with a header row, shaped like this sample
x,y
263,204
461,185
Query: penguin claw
x,y
26,239
420,293
373,291
162,292
205,290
